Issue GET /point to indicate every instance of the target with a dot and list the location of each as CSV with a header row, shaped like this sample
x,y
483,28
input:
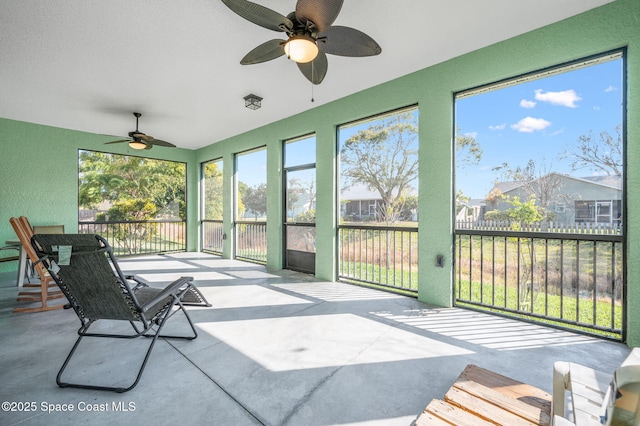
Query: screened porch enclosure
x,y
544,239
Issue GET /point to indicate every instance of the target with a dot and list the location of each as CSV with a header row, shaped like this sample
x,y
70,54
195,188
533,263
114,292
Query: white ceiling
x,y
88,64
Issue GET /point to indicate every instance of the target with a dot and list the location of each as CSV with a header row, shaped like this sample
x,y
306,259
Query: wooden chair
x,y
46,290
597,397
43,229
31,230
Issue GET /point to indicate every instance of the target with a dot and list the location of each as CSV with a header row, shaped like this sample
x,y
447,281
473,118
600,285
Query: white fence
x,y
549,227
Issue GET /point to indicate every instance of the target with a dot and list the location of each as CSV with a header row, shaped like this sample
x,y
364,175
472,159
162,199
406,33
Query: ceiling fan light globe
x,y
137,144
301,49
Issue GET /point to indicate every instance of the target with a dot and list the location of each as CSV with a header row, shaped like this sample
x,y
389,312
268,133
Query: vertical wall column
x,y
326,213
435,228
228,204
275,206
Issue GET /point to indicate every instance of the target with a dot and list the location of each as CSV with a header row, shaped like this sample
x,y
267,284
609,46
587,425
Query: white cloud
x,y
471,134
566,98
498,127
611,89
530,125
527,104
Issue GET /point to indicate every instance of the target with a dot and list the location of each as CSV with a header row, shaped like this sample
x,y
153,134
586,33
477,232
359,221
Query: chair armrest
x,y
16,248
10,258
140,282
170,290
561,421
560,385
588,388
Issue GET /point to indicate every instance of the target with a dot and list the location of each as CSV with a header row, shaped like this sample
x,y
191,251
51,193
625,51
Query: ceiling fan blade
x,y
148,146
267,51
315,70
161,143
321,12
259,15
118,141
345,41
141,136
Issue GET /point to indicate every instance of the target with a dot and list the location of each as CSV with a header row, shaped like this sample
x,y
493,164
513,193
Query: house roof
x,y
608,181
504,187
360,192
611,181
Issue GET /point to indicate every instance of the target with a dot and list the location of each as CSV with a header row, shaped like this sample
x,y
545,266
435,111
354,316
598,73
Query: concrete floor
x,y
274,349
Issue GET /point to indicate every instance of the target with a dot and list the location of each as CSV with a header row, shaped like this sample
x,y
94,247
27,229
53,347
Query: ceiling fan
x,y
310,35
138,140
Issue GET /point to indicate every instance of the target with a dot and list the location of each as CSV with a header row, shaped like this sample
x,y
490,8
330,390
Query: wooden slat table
x,y
482,397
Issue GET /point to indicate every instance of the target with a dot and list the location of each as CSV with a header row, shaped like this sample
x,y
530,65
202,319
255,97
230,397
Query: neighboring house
x,y
361,203
569,199
470,211
303,203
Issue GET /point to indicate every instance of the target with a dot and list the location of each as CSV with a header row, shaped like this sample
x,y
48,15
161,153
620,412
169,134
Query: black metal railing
x,y
574,280
212,236
140,237
251,241
381,255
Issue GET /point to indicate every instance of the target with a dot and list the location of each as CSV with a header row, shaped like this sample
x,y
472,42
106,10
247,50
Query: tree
x,y
524,212
384,157
242,190
296,191
131,236
212,191
408,206
255,200
110,178
603,155
135,189
468,150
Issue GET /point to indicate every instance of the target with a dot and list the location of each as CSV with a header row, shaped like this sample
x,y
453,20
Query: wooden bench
x,y
481,397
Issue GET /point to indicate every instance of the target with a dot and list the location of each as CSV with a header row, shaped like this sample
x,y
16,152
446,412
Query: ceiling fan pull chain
x,y
312,100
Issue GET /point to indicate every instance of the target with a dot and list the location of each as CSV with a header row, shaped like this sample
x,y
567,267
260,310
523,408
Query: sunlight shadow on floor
x,y
487,330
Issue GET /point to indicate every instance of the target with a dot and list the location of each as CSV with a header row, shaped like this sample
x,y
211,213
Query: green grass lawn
x,y
554,307
400,278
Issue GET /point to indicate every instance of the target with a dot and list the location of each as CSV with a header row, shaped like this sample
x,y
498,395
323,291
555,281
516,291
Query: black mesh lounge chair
x,y
97,290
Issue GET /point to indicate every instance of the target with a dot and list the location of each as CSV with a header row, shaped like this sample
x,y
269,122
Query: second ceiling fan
x,y
139,140
310,35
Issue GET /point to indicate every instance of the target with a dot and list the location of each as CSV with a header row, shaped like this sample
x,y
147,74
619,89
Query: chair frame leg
x,y
83,332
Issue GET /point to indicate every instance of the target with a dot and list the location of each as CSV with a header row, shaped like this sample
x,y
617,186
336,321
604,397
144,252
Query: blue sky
x,y
252,166
538,120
